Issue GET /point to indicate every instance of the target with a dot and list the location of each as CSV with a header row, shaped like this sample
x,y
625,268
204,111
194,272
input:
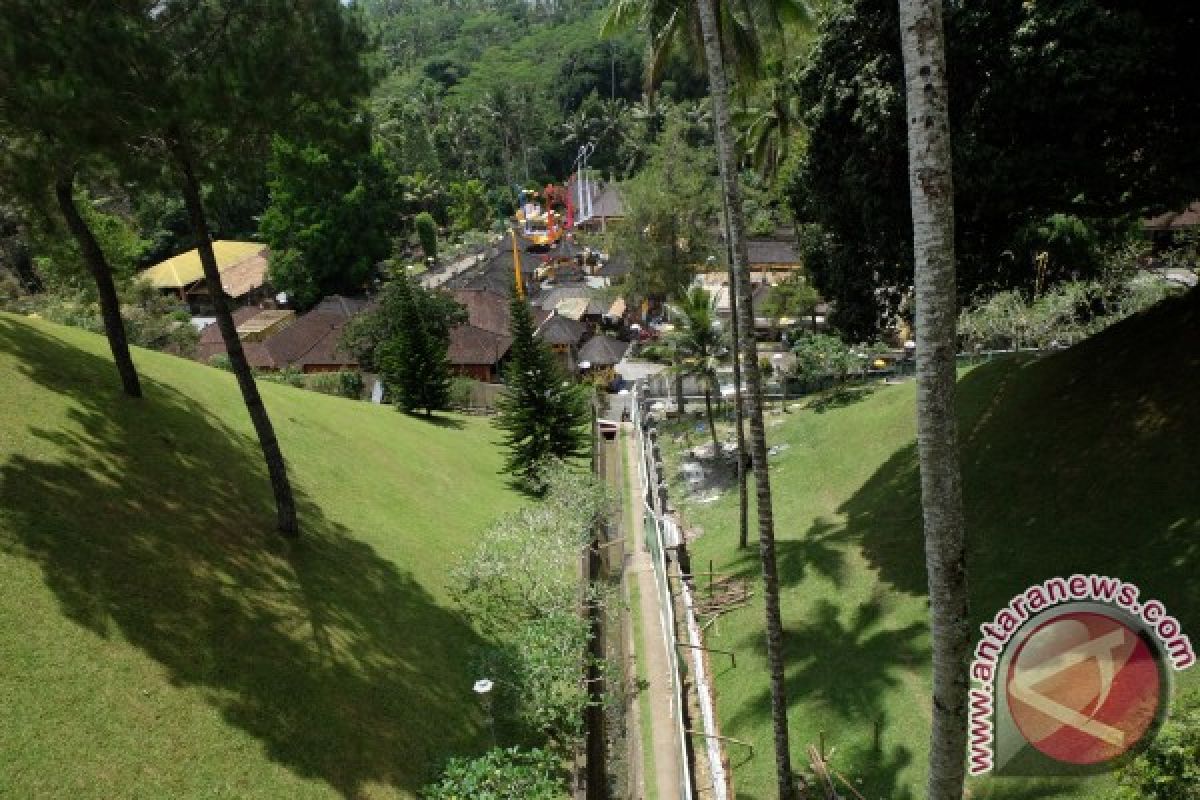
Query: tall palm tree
x,y
932,196
769,124
729,37
727,164
698,343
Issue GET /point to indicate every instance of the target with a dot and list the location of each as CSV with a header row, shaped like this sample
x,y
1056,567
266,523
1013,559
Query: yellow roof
x,y
184,269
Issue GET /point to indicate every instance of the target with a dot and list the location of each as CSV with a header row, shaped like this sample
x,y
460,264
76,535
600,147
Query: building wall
x,y
478,372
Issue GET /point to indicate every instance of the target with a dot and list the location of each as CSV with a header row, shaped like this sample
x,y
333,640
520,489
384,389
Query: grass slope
x,y
1082,461
159,641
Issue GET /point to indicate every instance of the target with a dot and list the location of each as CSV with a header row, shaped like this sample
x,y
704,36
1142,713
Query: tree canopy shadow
x,y
153,521
438,420
1080,462
841,397
847,666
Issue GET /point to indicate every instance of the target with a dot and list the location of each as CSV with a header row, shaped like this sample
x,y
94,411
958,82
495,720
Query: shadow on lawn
x,y
1084,461
847,666
841,398
156,523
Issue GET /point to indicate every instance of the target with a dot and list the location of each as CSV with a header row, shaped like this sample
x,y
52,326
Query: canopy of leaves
x,y
670,206
502,774
1069,107
326,223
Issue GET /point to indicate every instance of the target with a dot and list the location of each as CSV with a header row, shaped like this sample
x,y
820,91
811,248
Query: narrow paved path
x,y
651,650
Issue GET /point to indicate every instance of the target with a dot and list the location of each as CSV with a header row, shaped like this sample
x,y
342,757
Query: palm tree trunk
x,y
738,417
98,266
285,504
708,412
727,161
932,192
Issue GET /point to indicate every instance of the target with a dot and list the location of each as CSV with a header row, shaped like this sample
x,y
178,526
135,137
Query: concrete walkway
x,y
664,743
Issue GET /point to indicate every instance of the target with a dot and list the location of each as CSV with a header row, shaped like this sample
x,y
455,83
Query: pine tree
x,y
413,361
542,414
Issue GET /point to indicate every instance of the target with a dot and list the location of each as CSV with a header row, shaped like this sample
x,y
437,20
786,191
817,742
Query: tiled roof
x,y
558,329
772,251
486,309
470,345
245,276
603,351
313,339
211,343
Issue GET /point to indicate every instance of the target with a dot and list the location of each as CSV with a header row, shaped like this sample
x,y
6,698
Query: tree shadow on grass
x,y
437,420
152,521
1080,462
846,667
840,398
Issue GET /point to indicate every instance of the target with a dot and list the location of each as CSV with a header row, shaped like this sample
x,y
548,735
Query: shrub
x,y
1169,769
291,376
344,383
460,392
501,774
521,585
221,361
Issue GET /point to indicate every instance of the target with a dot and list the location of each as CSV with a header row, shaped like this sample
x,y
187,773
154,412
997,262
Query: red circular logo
x,y
1083,688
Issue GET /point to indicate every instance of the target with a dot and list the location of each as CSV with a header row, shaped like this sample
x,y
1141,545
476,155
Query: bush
x,y
1169,769
460,392
344,383
291,376
521,585
501,775
221,361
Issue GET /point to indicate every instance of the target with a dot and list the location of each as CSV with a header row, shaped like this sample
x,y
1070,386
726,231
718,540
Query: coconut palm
x,y
769,124
932,196
728,35
698,344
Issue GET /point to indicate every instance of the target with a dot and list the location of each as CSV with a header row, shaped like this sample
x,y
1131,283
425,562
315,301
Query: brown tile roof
x,y
245,276
486,309
558,329
313,339
772,251
472,345
603,351
211,344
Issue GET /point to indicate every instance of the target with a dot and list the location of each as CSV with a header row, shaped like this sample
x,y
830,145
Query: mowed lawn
x,y
158,640
1084,461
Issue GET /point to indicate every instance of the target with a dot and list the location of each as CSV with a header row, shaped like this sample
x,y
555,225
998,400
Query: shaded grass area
x,y
1084,461
160,641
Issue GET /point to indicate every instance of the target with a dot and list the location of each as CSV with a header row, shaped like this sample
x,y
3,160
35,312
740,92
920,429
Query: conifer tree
x,y
413,361
541,413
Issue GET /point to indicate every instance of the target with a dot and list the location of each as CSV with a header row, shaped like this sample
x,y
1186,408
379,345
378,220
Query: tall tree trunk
x,y
932,193
285,504
727,161
708,412
97,264
738,415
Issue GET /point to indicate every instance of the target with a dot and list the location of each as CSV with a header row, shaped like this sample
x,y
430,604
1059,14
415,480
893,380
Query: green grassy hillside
x,y
158,640
1083,461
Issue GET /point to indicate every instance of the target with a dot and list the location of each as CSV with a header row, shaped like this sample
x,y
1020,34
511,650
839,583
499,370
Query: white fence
x,y
662,533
